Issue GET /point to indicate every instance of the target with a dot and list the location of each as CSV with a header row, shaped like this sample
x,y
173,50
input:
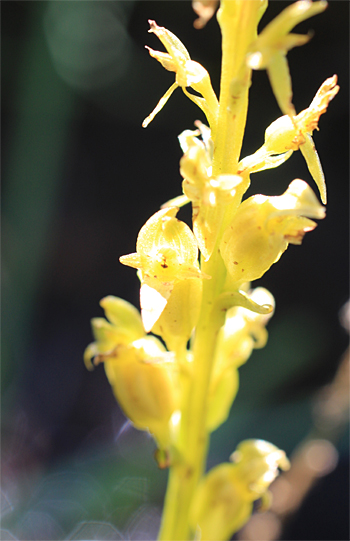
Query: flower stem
x,y
189,465
238,20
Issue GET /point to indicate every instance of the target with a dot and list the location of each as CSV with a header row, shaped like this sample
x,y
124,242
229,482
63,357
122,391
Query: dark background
x,y
80,177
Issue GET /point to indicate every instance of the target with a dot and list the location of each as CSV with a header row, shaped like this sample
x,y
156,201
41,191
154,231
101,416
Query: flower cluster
x,y
195,292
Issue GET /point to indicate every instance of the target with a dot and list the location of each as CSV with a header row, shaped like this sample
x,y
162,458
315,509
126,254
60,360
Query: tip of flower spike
x,y
205,9
153,26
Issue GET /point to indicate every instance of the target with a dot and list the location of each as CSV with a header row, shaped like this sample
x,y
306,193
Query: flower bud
x,y
257,463
224,498
243,331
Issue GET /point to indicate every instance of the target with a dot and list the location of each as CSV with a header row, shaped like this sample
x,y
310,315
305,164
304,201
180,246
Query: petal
x,y
159,105
178,201
261,160
180,314
253,303
309,152
108,336
144,384
219,508
298,200
281,83
131,260
168,248
172,43
309,118
165,59
282,135
124,315
153,301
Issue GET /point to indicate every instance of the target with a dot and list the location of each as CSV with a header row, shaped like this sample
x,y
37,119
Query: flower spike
x,y
188,74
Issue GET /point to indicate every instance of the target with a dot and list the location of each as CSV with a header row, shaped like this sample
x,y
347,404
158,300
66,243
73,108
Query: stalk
x,y
237,18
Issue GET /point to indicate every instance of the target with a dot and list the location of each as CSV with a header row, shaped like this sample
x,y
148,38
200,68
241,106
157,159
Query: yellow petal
x,y
159,105
262,228
143,382
308,119
165,59
281,83
180,315
172,43
124,315
108,336
309,152
153,300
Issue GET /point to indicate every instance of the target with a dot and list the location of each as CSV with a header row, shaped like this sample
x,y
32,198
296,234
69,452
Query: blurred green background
x,y
80,177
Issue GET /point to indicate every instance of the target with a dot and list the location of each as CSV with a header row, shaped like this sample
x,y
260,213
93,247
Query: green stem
x,y
189,465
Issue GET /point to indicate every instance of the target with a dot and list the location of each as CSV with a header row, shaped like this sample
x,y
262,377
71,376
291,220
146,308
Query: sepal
x,y
188,74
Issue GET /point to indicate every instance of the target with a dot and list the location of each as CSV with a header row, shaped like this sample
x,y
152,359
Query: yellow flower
x,y
143,378
188,74
243,331
224,499
270,49
208,194
263,227
288,134
141,372
166,252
